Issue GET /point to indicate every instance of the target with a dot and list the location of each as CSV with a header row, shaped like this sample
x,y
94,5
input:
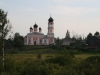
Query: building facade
x,y
36,37
68,40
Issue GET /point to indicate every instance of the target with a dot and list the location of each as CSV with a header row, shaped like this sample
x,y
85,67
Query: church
x,y
36,37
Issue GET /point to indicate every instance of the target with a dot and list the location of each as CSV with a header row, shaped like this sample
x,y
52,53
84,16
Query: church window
x,y
50,40
29,41
45,41
50,30
34,42
25,40
40,41
33,39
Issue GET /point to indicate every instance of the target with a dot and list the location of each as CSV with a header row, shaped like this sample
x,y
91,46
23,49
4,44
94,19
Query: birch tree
x,y
5,28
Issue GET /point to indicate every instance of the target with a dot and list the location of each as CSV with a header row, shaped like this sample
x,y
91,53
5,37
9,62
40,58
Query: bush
x,y
12,51
90,66
39,56
64,58
36,68
1,66
4,73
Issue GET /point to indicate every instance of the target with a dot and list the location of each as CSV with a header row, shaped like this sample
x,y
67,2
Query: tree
x,y
8,44
5,28
96,33
67,34
88,37
18,40
59,41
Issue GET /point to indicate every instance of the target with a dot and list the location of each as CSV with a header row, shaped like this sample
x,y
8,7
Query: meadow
x,y
46,54
50,61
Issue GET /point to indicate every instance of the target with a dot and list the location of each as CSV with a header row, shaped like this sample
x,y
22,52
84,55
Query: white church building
x,y
36,37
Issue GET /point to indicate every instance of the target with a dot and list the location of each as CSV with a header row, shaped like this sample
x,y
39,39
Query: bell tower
x,y
50,33
50,26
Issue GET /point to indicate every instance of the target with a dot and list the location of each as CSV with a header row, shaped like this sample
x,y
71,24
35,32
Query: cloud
x,y
73,10
1,3
57,0
31,9
71,1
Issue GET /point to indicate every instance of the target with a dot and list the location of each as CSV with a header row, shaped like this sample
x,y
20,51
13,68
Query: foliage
x,y
58,41
8,44
96,33
39,55
62,64
1,66
88,37
18,40
12,51
64,58
90,66
0,46
5,26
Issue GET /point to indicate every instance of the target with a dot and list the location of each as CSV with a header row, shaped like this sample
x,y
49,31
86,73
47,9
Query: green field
x,y
45,54
63,62
32,55
84,56
21,57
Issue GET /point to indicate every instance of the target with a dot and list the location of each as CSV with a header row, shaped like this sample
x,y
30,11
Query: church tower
x,y
50,30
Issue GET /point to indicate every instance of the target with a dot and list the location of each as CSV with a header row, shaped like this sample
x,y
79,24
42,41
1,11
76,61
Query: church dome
x,y
35,25
39,28
31,28
50,19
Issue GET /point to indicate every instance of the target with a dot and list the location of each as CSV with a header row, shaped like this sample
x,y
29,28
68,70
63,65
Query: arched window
x,y
40,41
34,42
45,41
29,41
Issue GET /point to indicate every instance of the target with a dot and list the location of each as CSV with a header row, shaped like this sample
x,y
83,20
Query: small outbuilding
x,y
68,41
94,42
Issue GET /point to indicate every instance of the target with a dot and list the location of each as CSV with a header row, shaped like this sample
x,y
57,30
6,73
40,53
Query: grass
x,y
43,51
84,56
22,57
45,54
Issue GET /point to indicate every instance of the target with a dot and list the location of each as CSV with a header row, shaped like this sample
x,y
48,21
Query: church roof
x,y
50,19
35,33
35,25
45,37
31,28
40,28
67,41
98,37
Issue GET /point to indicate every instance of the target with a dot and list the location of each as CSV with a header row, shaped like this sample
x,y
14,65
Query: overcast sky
x,y
78,16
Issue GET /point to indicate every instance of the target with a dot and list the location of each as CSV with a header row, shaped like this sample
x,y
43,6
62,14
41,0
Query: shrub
x,y
64,58
12,51
39,56
90,66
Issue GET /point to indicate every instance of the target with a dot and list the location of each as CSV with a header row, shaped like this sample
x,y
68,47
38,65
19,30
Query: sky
x,y
80,17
